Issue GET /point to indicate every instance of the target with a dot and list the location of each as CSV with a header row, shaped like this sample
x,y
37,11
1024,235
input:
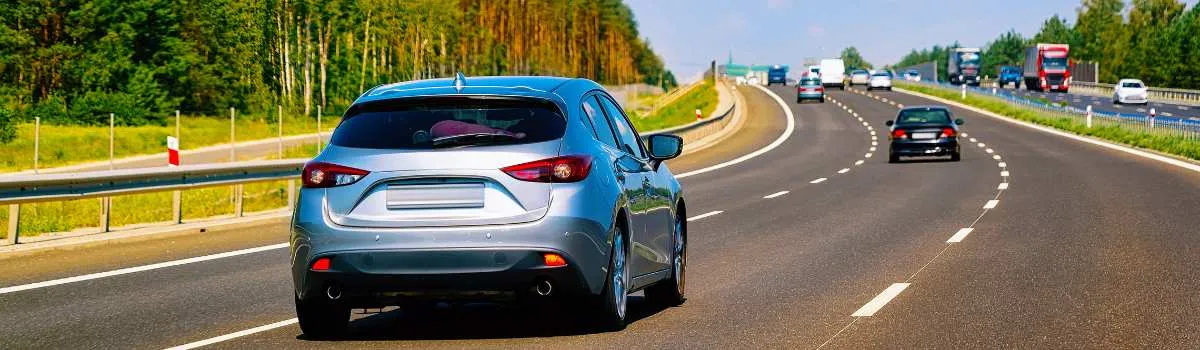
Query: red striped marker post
x,y
172,151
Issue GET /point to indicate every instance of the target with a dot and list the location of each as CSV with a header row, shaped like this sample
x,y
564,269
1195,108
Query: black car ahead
x,y
924,131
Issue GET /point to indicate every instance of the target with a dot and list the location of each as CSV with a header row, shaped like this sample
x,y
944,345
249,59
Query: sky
x,y
688,34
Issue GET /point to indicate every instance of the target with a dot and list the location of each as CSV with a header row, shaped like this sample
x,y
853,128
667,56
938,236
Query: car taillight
x,y
898,133
323,175
820,89
322,264
948,132
558,169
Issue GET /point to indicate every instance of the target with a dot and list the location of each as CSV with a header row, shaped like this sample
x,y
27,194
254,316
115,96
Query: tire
x,y
893,158
320,319
615,297
889,89
670,292
956,156
822,100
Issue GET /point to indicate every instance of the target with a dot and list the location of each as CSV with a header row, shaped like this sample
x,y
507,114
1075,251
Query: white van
x,y
833,73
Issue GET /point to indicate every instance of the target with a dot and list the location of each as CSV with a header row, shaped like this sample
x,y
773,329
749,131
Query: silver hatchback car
x,y
493,188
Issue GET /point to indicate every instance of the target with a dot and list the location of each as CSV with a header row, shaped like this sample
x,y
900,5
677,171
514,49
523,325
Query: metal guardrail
x,y
1143,123
34,188
1179,96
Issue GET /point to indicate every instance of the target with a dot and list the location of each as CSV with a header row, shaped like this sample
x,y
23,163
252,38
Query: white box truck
x,y
833,73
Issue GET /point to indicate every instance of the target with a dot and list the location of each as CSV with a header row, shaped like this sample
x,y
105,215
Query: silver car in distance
x,y
492,188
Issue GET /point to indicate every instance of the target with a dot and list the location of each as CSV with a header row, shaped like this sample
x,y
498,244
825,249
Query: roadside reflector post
x,y
1089,116
291,198
1152,118
237,200
105,208
176,196
106,202
14,218
964,91
698,116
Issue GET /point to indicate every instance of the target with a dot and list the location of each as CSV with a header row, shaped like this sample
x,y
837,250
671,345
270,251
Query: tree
x,y
1101,35
853,59
1151,57
1008,49
1056,30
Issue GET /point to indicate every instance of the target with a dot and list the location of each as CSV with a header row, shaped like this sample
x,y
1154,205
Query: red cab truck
x,y
1048,67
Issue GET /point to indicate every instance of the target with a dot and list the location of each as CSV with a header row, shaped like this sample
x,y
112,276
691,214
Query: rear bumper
x,y
810,96
1133,99
912,148
389,277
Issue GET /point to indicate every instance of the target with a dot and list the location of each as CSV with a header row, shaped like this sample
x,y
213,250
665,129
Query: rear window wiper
x,y
469,139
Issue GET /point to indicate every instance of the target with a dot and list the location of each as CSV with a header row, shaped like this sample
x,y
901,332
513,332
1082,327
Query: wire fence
x,y
1147,123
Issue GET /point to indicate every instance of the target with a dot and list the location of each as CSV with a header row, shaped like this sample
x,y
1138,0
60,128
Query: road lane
x,y
1092,248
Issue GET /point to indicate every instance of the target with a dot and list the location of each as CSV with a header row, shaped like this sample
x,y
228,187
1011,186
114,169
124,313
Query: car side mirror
x,y
663,147
889,123
958,121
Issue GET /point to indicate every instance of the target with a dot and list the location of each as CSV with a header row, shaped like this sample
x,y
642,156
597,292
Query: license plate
x,y
433,196
924,136
1053,86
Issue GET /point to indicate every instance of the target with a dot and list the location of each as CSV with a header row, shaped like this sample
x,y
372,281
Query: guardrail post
x,y
1089,116
291,194
177,207
14,220
105,209
237,200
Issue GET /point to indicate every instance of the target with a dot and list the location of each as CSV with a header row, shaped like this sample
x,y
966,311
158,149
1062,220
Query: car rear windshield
x,y
923,116
1131,84
810,82
881,75
441,122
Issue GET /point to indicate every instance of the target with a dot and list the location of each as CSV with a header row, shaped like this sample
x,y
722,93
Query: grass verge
x,y
62,145
1171,144
681,111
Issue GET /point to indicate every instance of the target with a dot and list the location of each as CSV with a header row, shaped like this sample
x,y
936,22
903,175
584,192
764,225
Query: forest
x,y
74,62
1157,41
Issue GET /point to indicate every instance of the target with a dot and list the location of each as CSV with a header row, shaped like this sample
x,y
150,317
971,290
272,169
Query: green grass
x,y
41,218
681,111
1170,144
62,145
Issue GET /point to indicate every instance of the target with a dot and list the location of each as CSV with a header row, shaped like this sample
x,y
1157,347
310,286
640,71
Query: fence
x,y
1142,123
1178,96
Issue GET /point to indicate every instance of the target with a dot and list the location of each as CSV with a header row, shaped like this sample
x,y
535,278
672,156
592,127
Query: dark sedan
x,y
924,131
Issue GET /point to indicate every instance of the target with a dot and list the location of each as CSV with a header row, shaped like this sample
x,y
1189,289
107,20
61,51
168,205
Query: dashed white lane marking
x,y
817,181
776,194
873,306
872,132
1004,173
129,270
981,145
868,155
873,143
844,170
1003,164
1168,114
989,150
872,149
787,133
860,162
701,216
974,140
234,335
996,157
899,105
856,115
1003,186
991,204
958,236
968,135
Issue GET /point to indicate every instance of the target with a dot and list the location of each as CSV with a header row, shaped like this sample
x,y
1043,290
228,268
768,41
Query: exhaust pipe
x,y
333,292
543,288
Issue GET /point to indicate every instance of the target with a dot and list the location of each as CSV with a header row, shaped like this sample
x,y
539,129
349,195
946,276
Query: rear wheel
x,y
893,158
321,319
822,99
615,295
956,156
670,292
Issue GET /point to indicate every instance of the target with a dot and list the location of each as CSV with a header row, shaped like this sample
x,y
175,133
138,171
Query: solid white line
x,y
873,306
817,181
129,270
701,216
958,237
787,132
844,170
1003,186
1004,173
776,194
858,162
991,204
235,335
1003,165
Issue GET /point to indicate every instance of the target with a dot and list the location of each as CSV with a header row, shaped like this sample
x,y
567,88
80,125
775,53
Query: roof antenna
x,y
460,80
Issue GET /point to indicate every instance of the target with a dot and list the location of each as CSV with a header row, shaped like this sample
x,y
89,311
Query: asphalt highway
x,y
1077,247
1105,104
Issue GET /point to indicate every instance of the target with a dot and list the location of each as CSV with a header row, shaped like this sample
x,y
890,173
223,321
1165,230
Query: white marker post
x,y
172,151
964,91
698,115
1089,116
1152,118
